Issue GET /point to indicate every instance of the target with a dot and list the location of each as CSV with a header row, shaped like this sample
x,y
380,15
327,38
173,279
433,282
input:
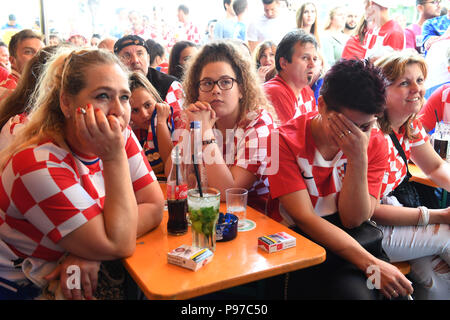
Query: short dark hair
x,y
356,85
226,2
19,37
269,1
183,8
286,47
239,6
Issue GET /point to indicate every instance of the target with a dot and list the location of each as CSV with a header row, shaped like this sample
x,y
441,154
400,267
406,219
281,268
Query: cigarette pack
x,y
190,257
276,242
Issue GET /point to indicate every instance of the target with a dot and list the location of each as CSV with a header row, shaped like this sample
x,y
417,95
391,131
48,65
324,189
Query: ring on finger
x,y
342,135
348,132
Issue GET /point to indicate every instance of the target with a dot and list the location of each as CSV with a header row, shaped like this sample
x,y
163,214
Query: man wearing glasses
x,y
133,52
427,9
435,29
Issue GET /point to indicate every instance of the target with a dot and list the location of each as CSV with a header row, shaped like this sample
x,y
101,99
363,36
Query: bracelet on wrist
x,y
424,216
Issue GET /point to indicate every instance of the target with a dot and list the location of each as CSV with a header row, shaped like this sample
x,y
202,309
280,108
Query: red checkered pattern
x,y
285,102
187,31
251,149
389,35
438,102
175,96
396,171
303,167
46,193
248,148
8,85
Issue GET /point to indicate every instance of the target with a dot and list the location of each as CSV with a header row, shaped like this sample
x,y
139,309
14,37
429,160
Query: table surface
x,y
235,262
419,176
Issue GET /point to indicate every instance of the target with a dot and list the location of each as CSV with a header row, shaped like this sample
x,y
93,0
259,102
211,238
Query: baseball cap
x,y
386,3
130,40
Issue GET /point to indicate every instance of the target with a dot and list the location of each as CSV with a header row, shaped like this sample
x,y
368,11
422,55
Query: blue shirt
x,y
435,27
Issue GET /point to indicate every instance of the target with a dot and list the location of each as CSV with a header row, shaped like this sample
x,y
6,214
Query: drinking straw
x,y
437,119
176,165
197,176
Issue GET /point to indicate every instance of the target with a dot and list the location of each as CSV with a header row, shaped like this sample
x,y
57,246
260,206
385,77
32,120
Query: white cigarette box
x,y
190,257
276,242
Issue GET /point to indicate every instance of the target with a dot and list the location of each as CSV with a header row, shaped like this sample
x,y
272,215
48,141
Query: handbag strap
x,y
401,152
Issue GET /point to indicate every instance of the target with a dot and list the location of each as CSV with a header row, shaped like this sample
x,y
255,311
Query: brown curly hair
x,y
253,96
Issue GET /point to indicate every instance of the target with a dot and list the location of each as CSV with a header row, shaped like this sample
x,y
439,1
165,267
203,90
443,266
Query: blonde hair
x,y
64,72
253,96
330,18
393,66
137,80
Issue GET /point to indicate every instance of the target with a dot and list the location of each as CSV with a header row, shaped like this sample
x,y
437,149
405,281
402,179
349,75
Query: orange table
x,y
419,176
236,262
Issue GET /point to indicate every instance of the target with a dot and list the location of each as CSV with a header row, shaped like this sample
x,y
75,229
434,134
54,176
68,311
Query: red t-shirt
x,y
353,49
389,35
303,167
396,166
47,192
285,102
439,101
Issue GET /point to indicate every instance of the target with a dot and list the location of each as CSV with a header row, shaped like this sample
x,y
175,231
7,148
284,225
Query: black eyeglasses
x,y
433,2
206,85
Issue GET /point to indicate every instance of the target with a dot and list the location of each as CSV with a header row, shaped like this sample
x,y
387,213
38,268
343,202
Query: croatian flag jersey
x,y
303,167
396,170
438,102
389,35
286,104
47,192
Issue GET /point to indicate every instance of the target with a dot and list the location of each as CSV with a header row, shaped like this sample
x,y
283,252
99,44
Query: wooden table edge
x,y
228,283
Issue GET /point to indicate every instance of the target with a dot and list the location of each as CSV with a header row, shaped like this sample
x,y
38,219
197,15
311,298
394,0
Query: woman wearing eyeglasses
x,y
222,91
74,181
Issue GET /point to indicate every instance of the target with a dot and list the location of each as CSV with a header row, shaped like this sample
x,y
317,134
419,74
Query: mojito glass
x,y
204,212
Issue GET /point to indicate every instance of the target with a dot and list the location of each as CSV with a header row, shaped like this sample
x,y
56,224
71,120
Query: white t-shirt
x,y
270,29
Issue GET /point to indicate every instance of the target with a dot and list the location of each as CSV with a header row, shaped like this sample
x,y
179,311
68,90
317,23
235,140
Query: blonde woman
x,y
74,180
152,121
418,234
333,37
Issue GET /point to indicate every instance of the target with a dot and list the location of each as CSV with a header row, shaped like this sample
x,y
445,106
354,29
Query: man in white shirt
x,y
273,25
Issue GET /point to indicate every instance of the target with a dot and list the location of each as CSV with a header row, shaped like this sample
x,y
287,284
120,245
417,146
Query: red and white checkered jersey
x,y
47,192
303,167
396,170
183,31
389,35
175,96
251,148
285,102
438,102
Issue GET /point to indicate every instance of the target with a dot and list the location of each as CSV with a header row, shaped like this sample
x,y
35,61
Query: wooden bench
x,y
403,266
